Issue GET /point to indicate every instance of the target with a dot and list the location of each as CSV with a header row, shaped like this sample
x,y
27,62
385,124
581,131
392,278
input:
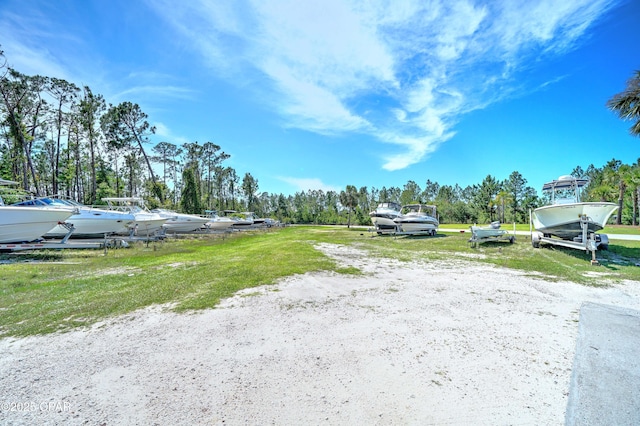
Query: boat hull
x,y
92,223
383,221
382,217
25,224
220,223
185,223
487,232
563,220
146,226
419,224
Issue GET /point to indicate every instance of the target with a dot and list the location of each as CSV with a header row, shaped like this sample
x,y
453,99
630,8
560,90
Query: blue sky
x,y
323,94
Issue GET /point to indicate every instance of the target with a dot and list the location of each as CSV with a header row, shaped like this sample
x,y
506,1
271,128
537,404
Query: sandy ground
x,y
407,343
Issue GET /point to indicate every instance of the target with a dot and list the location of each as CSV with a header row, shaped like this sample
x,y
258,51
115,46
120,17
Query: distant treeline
x,y
60,139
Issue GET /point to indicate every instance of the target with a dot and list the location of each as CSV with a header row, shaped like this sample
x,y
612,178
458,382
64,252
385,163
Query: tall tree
x,y
516,186
65,94
431,190
250,189
190,200
484,197
211,158
411,193
627,104
349,199
91,108
20,93
615,175
129,124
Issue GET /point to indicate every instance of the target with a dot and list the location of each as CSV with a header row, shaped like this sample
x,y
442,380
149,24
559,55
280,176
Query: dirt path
x,y
407,343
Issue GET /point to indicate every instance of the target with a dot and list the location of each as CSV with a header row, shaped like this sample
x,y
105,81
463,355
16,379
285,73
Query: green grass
x,y
44,292
61,290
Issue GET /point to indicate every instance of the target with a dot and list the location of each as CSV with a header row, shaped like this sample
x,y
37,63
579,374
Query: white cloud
x,y
402,72
308,184
164,133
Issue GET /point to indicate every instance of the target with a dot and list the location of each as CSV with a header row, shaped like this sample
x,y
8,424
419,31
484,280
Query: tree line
x,y
60,139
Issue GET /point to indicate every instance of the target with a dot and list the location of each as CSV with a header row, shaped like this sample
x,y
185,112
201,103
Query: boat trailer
x,y
64,243
397,232
476,240
588,241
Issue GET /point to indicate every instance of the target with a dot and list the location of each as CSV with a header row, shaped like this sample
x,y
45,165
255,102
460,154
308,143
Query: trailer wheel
x,y
603,247
535,240
512,239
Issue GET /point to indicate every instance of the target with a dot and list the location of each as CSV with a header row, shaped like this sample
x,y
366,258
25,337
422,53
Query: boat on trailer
x,y
25,224
87,222
181,222
492,232
418,219
216,222
145,223
567,221
566,214
382,217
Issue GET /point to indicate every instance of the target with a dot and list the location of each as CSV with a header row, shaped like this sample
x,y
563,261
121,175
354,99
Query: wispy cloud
x,y
20,34
308,184
165,133
403,72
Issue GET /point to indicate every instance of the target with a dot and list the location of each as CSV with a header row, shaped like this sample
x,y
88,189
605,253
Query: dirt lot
x,y
406,343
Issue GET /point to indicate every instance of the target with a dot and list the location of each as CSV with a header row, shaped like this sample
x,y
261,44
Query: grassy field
x,y
44,292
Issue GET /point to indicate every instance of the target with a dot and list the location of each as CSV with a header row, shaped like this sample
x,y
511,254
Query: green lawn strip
x,y
192,273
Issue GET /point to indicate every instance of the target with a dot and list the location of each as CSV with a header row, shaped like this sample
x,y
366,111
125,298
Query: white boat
x,y
563,216
145,223
181,222
418,218
240,221
216,222
491,231
25,224
87,221
382,217
256,221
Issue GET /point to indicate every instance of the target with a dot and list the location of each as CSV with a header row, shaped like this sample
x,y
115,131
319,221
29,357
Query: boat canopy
x,y
389,204
565,182
420,208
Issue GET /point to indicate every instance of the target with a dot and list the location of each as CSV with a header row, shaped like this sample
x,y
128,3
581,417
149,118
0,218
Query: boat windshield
x,y
43,201
565,196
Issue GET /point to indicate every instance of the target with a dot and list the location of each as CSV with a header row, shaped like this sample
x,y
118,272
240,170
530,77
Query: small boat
x,y
418,218
566,214
216,222
491,231
382,217
483,234
88,222
145,223
181,222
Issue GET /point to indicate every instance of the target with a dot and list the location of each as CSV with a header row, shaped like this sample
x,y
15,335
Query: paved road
x,y
605,379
